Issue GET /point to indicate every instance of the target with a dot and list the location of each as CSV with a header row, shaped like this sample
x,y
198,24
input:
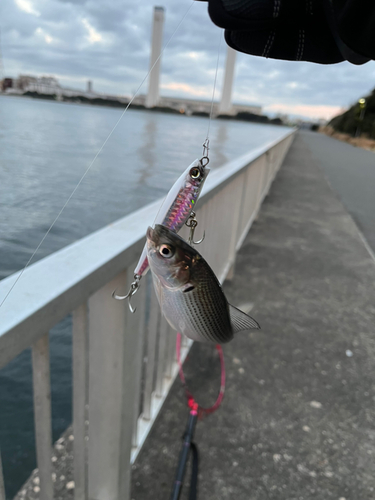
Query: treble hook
x,y
134,287
193,223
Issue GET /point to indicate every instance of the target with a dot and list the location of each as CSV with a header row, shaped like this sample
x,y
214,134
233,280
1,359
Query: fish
x,y
190,295
177,205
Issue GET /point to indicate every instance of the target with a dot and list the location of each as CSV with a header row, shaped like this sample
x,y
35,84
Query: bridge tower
x,y
226,97
157,37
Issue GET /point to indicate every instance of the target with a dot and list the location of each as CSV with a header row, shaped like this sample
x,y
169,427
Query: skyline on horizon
x,y
80,40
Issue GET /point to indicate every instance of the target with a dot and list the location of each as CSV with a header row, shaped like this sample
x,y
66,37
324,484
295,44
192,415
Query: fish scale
x,y
189,294
202,309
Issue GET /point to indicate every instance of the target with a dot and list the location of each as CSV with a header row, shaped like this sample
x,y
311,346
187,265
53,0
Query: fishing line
x,y
95,157
206,142
191,401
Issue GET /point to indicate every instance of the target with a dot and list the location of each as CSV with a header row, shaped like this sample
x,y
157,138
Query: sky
x,y
110,42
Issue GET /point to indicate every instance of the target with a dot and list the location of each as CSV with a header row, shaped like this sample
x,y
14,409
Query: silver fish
x,y
189,294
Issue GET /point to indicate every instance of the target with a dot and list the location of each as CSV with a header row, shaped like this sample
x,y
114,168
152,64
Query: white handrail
x,y
113,387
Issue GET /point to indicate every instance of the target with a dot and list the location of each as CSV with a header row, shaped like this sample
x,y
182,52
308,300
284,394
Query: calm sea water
x,y
45,147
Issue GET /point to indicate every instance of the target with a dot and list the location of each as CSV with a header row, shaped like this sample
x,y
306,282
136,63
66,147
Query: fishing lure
x,y
189,294
174,212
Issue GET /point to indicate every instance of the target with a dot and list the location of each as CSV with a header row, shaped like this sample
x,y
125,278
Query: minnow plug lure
x,y
174,212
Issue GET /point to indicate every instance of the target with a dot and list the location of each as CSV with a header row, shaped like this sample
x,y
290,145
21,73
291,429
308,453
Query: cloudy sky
x,y
109,43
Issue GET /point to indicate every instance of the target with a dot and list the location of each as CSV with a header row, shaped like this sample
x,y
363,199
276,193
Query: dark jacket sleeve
x,y
321,31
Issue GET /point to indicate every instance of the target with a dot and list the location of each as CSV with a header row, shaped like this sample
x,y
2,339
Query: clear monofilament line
x,y
94,159
213,92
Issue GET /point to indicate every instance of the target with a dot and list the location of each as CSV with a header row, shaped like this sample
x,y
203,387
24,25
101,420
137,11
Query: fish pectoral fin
x,y
241,321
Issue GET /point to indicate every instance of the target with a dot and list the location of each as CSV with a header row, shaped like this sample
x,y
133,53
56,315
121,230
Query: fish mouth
x,y
152,242
160,233
173,271
150,234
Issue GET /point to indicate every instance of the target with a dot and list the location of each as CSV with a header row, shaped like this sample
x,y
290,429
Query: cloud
x,y
27,7
187,90
310,111
93,35
46,36
109,43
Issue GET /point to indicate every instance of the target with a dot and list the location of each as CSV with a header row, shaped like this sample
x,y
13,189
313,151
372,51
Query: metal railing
x,y
113,387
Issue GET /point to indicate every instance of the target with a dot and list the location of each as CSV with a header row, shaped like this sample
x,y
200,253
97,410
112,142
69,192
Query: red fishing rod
x,y
196,412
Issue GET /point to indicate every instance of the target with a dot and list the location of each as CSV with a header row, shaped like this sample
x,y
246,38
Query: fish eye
x,y
166,251
195,173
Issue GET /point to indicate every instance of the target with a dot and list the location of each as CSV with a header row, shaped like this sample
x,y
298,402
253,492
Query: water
x,y
45,147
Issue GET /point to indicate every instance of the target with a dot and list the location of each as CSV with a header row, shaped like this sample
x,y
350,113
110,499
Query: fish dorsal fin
x,y
241,321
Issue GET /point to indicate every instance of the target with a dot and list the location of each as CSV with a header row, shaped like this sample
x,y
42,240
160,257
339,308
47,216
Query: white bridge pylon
x,y
157,38
152,97
226,96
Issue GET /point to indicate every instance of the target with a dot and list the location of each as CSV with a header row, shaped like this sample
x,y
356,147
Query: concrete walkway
x,y
350,172
298,419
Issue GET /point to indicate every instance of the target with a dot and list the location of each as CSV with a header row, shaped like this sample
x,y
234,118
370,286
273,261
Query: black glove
x,y
322,31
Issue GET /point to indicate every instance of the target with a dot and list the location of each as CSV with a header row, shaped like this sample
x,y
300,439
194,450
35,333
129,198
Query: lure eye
x,y
166,251
195,173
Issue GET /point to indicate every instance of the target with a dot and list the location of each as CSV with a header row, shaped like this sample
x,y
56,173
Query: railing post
x,y
80,400
106,345
262,182
236,216
137,323
152,327
162,356
131,382
42,414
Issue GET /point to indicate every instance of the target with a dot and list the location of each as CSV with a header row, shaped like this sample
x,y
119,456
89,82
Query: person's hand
x,y
322,31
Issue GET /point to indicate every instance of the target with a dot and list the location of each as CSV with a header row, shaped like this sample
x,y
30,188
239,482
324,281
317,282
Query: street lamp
x,y
362,107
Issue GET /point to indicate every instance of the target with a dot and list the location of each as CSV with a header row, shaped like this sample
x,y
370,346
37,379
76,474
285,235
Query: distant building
x,y
283,117
248,108
42,84
7,83
23,82
189,106
49,85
